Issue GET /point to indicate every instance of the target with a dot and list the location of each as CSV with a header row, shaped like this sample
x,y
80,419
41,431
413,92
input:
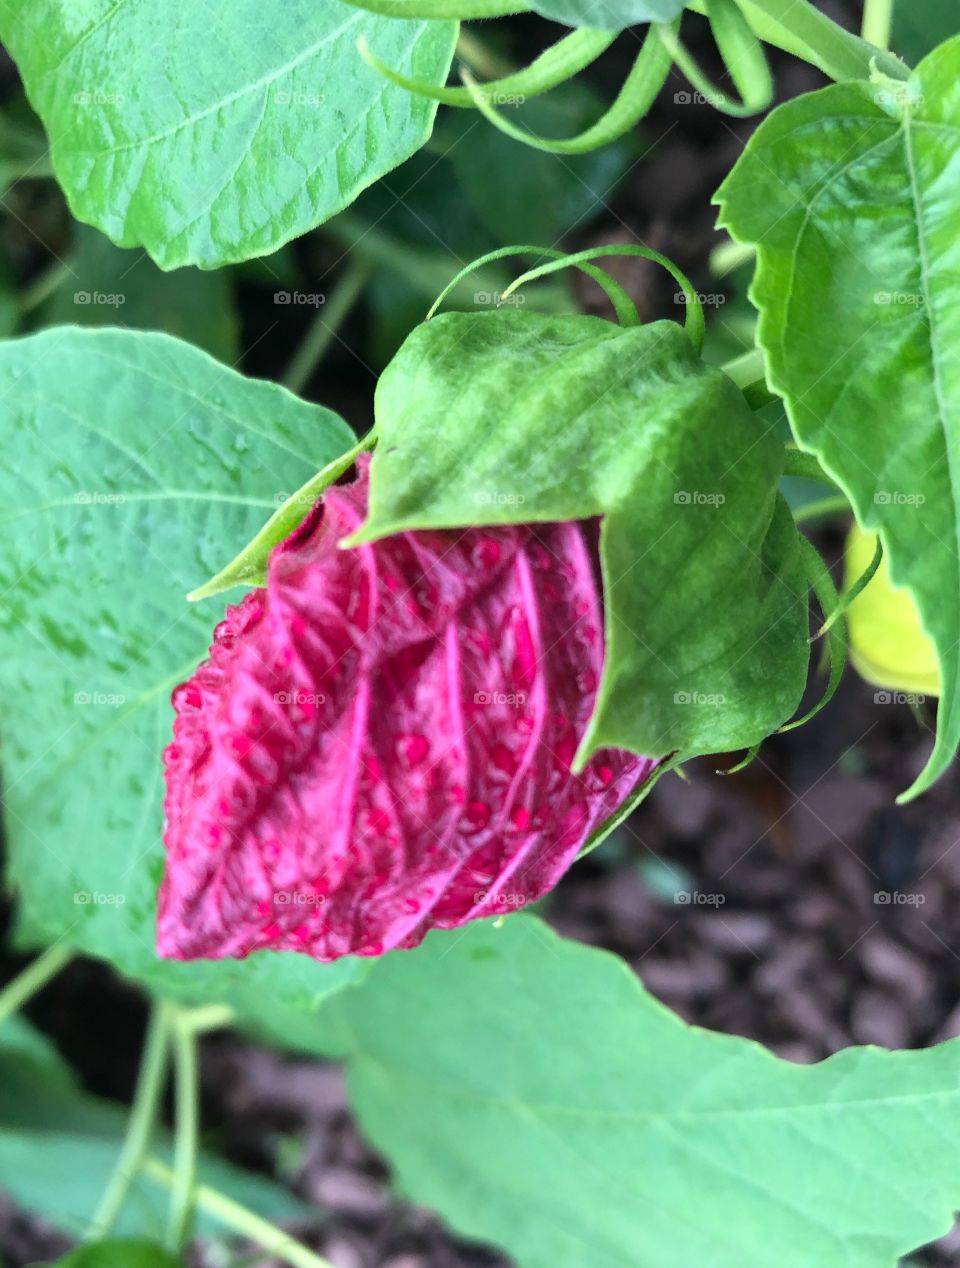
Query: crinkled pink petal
x,y
380,742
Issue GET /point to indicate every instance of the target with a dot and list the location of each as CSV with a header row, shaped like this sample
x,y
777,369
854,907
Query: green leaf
x,y
850,197
59,1146
107,286
608,14
545,1102
507,416
124,1253
130,463
221,134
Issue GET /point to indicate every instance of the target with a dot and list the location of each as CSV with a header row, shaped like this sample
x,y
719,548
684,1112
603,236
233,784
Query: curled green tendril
x,y
554,66
742,54
693,322
822,585
623,305
744,762
441,9
646,78
857,588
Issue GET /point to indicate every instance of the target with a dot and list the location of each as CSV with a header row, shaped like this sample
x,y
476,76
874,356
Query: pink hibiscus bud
x,y
381,740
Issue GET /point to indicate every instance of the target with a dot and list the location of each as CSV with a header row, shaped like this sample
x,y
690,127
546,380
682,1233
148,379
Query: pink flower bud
x,y
380,742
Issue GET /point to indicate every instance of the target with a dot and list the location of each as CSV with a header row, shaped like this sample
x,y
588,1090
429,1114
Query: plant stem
x,y
143,1116
800,29
33,978
237,1218
182,1193
821,508
325,325
43,287
209,1017
877,22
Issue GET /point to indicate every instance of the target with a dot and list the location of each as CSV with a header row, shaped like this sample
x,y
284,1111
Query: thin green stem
x,y
33,978
183,1189
877,22
822,508
207,1018
325,325
745,369
143,1117
799,28
241,1221
42,287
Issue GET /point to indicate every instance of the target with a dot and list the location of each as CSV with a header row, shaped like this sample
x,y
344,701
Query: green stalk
x,y
798,28
183,1188
877,22
822,508
241,1221
33,978
325,325
143,1117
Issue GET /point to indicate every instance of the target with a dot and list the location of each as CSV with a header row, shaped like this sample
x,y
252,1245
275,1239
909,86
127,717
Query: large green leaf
x,y
852,197
129,460
59,1146
529,1089
507,416
212,133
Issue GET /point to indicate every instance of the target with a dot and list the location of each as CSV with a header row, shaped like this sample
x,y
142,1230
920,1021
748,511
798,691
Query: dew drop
x,y
477,815
413,749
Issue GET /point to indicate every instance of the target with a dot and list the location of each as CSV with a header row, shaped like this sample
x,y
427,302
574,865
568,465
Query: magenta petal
x,y
381,740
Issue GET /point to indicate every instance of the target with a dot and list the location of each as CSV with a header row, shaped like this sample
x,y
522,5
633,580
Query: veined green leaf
x,y
509,416
211,134
852,198
128,460
622,1136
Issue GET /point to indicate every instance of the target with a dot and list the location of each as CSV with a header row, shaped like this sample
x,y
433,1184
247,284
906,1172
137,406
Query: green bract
x,y
858,261
219,135
129,459
510,416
